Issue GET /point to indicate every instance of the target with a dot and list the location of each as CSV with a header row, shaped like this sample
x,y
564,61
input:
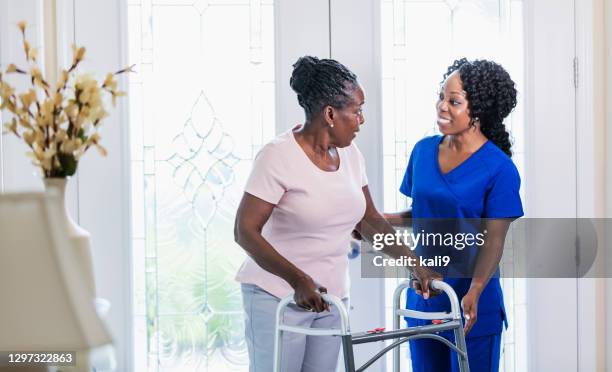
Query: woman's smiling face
x,y
453,106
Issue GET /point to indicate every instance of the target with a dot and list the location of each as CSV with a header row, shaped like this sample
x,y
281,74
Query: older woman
x,y
307,191
467,173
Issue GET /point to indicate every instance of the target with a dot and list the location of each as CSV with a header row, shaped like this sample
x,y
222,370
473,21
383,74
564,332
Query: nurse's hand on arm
x,y
372,223
251,216
487,262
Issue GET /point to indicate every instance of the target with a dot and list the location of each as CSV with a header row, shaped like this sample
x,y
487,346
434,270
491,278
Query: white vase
x,y
81,239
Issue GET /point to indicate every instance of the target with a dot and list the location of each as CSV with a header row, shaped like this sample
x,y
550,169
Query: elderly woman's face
x,y
348,119
453,112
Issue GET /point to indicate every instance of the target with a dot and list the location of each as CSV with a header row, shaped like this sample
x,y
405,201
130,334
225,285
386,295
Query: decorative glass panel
x,y
420,38
201,106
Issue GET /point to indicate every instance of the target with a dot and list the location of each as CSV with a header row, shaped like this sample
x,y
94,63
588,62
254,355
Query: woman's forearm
x,y
399,219
487,263
268,258
489,256
376,224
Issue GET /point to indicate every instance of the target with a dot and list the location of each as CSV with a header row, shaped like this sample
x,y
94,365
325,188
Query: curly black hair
x,y
491,94
321,82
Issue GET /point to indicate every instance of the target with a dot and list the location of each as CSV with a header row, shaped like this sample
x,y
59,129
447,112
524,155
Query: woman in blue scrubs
x,y
466,172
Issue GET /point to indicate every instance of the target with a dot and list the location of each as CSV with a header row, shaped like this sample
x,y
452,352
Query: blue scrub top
x,y
486,185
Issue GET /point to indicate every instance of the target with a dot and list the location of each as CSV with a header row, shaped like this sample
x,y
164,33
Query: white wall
x,y
590,140
550,180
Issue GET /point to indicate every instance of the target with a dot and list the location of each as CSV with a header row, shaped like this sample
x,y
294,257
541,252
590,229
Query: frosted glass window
x,y
420,38
201,106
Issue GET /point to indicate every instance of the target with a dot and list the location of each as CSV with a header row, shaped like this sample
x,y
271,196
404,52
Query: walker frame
x,y
452,322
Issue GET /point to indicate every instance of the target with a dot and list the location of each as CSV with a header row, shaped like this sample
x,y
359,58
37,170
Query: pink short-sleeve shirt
x,y
314,214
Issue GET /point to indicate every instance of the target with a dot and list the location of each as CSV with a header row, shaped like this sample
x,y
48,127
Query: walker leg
x,y
396,351
397,294
278,345
347,349
460,342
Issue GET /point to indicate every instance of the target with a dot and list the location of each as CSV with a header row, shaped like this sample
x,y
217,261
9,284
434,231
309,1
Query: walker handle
x,y
328,298
439,285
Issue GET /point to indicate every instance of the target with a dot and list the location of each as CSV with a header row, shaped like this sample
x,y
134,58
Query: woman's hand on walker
x,y
421,281
307,297
469,304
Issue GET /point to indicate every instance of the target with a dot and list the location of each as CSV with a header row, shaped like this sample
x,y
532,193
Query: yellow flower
x,y
71,110
58,99
101,150
6,91
33,53
35,72
109,80
39,139
22,25
61,135
97,113
37,77
46,110
40,120
81,53
89,89
84,96
94,138
26,48
62,118
39,153
77,54
11,126
63,78
27,98
118,94
83,114
46,164
78,153
69,146
11,68
29,136
24,121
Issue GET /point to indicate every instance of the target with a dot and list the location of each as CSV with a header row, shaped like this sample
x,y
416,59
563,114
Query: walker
x,y
450,321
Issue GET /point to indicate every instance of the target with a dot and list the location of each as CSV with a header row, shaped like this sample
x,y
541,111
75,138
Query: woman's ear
x,y
328,115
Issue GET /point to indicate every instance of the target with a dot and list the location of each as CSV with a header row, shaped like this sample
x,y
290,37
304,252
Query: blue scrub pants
x,y
434,356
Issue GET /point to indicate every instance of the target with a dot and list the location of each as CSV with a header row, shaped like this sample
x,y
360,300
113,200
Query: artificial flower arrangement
x,y
58,122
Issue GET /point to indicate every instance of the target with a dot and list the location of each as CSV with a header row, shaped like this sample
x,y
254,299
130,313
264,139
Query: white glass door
x,y
201,106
